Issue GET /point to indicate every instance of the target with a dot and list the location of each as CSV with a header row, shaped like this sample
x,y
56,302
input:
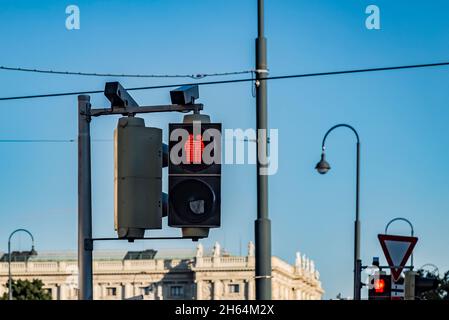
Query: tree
x,y
441,292
28,290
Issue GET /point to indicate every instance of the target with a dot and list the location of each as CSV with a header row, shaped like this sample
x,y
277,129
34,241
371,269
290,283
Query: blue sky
x,y
401,117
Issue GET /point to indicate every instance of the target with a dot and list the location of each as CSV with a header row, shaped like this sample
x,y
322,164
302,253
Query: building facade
x,y
171,275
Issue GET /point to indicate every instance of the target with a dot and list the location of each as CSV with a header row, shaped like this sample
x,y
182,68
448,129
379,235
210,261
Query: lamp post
x,y
323,167
32,252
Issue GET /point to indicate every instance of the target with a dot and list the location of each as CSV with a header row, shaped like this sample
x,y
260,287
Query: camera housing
x,y
185,95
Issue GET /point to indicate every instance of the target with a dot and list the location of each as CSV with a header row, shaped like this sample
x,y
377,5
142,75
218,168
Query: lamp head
x,y
323,166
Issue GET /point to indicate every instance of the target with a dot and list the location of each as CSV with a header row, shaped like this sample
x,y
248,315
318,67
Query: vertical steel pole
x,y
9,271
84,199
357,267
263,223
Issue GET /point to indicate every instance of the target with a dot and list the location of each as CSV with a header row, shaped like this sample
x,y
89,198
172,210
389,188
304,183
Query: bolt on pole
x,y
263,223
84,200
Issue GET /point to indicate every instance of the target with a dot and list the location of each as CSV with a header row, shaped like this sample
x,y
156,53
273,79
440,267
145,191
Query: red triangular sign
x,y
397,250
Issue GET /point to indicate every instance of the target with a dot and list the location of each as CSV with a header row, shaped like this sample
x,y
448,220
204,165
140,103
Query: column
x,y
103,292
128,291
54,292
62,292
298,294
250,289
123,291
217,290
160,294
199,290
275,288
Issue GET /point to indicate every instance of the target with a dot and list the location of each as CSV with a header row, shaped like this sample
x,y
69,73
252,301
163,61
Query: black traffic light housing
x,y
194,184
425,284
380,287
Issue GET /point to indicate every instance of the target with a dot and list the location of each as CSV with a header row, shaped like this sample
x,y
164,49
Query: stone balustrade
x,y
157,265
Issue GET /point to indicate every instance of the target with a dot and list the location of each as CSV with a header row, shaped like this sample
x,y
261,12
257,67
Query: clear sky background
x,y
401,117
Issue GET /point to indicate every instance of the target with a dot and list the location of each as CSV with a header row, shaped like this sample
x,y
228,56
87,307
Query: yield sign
x,y
397,250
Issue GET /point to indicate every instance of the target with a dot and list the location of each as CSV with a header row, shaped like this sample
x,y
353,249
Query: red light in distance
x,y
379,285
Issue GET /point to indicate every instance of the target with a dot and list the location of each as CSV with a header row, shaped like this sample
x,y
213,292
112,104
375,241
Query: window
x,y
234,288
177,291
146,290
111,291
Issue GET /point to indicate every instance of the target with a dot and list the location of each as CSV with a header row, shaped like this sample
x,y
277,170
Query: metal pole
x,y
9,270
84,199
263,223
357,269
357,262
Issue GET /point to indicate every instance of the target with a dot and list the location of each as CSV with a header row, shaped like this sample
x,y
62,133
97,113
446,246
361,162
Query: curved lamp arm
x,y
10,295
435,268
23,230
400,219
338,126
412,232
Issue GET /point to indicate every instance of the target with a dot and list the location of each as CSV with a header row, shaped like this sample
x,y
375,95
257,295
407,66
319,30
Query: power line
x,y
48,140
122,75
305,75
36,140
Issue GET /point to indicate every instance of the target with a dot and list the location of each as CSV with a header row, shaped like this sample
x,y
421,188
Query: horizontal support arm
x,y
387,267
144,238
89,243
147,109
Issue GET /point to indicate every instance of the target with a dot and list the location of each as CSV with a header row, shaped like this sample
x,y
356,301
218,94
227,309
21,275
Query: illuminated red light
x,y
194,148
379,285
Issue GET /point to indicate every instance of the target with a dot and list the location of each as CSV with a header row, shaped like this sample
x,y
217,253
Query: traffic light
x,y
380,287
424,284
417,286
137,178
194,181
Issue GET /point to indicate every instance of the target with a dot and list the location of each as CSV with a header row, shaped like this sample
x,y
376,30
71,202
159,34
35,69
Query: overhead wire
x,y
124,75
305,75
48,140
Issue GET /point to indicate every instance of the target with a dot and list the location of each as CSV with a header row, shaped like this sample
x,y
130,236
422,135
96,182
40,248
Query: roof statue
x,y
251,249
217,249
199,250
298,260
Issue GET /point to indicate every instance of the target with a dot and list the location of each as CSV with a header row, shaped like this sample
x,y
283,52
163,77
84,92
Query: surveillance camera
x,y
185,95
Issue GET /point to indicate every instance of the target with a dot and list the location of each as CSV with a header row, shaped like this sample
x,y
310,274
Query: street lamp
x,y
323,167
32,253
